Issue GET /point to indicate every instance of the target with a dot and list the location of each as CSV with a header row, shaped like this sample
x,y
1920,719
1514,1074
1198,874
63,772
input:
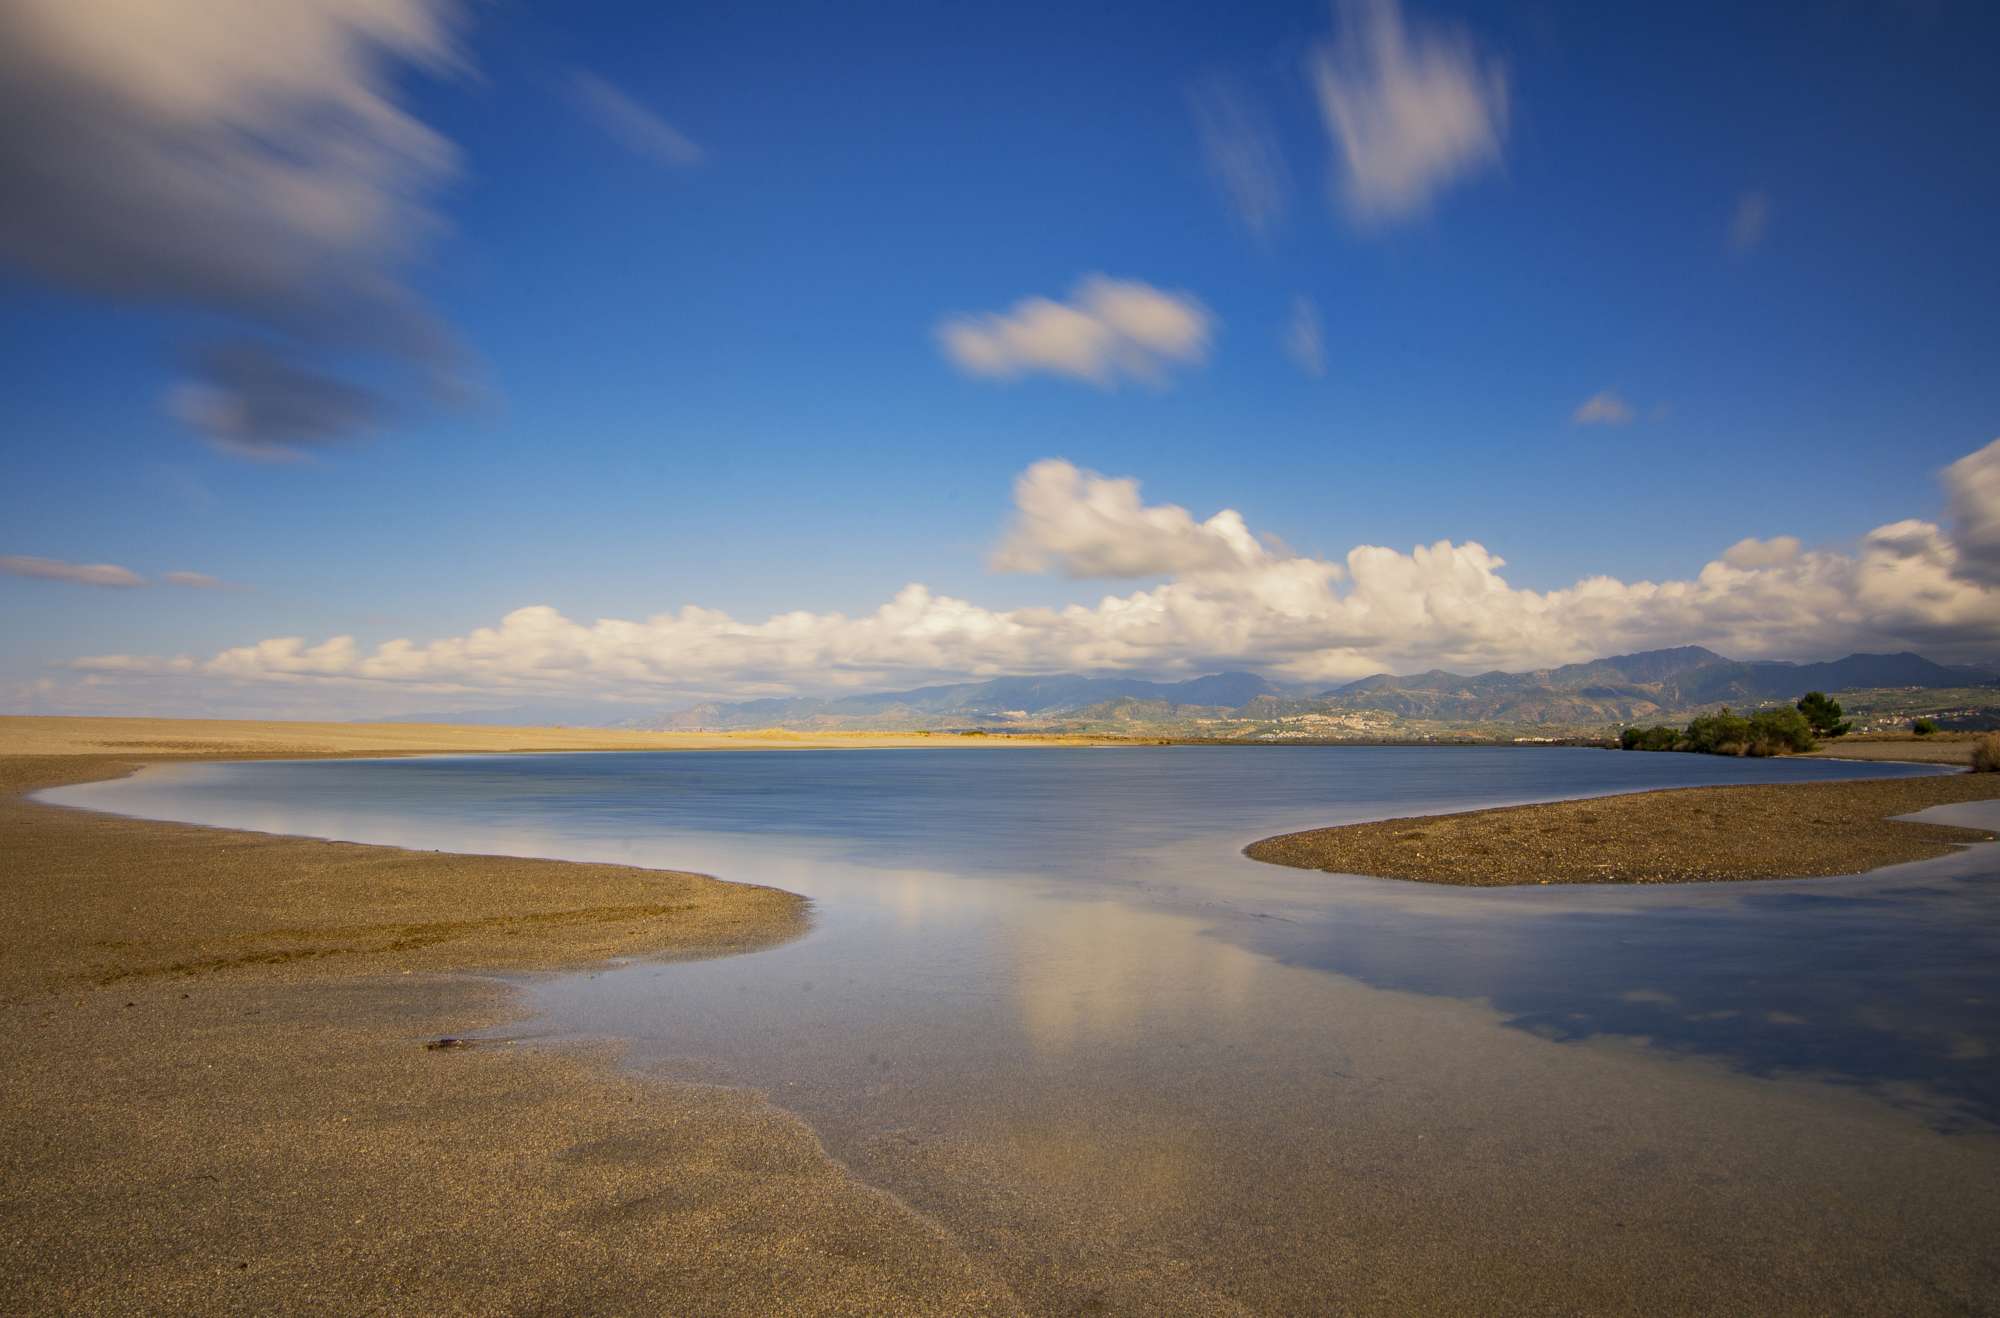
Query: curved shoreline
x,y
1675,835
220,1094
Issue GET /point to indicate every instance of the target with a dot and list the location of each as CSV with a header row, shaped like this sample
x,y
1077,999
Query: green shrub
x,y
1777,731
1986,754
1823,714
1660,738
1719,734
1923,727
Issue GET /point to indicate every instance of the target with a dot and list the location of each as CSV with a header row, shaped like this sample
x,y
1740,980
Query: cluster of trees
x,y
1767,732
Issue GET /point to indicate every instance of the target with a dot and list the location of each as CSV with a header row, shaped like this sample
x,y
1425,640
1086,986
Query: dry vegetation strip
x,y
1687,835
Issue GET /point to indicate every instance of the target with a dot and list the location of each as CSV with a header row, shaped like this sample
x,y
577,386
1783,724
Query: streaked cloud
x,y
633,126
256,401
1603,409
196,581
235,157
1750,221
81,574
102,574
1230,599
1305,341
1110,331
1242,152
1411,109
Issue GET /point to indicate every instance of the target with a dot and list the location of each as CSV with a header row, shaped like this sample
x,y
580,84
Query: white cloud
x,y
1603,409
233,156
82,574
1305,343
1242,153
1230,600
1750,552
1972,489
1750,221
1411,110
636,128
1085,525
1110,330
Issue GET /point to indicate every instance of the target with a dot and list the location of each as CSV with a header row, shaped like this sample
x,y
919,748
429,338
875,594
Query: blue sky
x,y
705,368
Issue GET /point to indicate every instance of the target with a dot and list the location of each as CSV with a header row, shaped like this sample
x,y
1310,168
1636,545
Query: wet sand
x,y
1686,835
219,1096
195,1125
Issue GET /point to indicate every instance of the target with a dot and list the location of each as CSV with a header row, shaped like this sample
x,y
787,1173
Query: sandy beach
x,y
1943,748
1686,835
221,1095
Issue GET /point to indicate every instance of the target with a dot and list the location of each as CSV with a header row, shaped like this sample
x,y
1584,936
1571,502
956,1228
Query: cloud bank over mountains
x,y
1219,596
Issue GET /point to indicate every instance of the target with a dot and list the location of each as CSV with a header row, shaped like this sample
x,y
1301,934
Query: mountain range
x,y
1622,688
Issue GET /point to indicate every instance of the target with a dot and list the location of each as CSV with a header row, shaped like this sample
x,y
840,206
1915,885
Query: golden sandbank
x,y
1682,835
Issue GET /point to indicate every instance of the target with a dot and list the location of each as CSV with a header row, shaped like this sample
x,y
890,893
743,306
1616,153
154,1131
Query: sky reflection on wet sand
x,y
1047,1001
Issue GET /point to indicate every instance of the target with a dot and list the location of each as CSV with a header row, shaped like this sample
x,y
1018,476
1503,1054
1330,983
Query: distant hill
x,y
1653,685
1001,701
1634,686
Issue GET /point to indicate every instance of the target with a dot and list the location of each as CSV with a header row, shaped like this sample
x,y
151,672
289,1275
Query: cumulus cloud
x,y
1411,109
1749,222
1242,153
1603,409
1305,342
1972,489
1230,599
81,574
1109,331
633,126
1750,552
236,157
1086,525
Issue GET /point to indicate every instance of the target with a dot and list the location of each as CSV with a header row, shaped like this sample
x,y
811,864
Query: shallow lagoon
x,y
1046,1000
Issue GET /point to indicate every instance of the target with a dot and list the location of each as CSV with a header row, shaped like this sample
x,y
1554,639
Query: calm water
x,y
1044,984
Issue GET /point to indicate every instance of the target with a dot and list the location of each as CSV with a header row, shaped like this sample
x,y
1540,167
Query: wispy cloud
x,y
1603,409
197,581
1230,597
254,400
1305,342
1411,109
236,157
1750,221
1242,152
1109,331
80,574
102,574
635,127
